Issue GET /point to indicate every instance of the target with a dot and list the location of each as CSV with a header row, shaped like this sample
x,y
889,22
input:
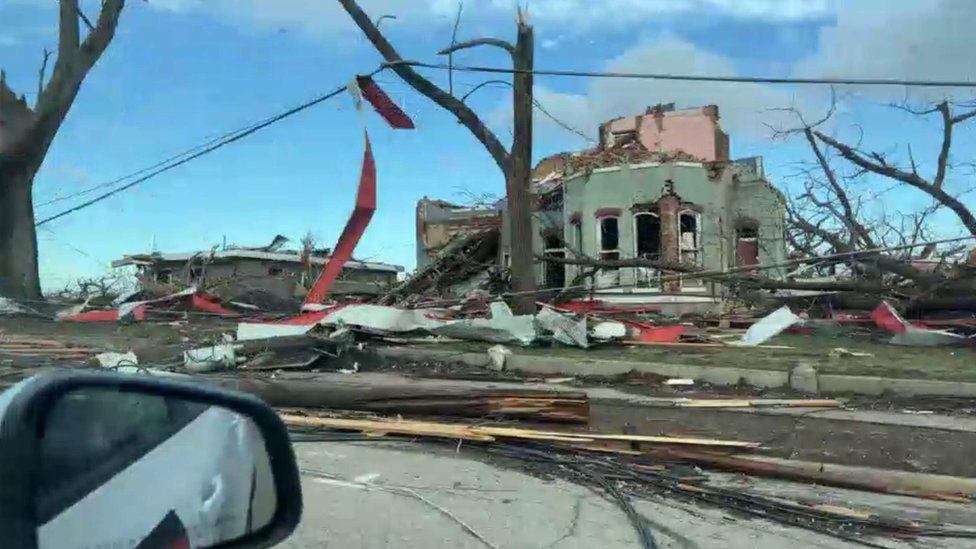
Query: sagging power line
x,y
700,78
223,141
235,135
139,172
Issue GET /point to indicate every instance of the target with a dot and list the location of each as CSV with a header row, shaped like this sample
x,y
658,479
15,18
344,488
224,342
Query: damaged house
x,y
440,222
659,186
274,271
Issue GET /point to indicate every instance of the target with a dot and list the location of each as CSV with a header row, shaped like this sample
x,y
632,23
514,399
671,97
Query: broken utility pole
x,y
519,182
516,165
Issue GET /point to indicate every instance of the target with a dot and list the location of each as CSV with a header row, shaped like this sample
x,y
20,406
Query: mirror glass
x,y
128,469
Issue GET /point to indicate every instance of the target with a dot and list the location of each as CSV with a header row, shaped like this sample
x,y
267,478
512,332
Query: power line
x,y
227,139
700,78
173,158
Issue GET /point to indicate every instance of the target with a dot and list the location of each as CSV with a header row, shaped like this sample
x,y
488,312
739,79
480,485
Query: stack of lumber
x,y
485,433
23,346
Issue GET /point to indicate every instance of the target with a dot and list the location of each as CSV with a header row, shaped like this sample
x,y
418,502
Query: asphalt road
x,y
369,495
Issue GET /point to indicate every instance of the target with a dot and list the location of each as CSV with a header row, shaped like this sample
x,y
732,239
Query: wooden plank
x,y
50,350
758,403
704,345
664,440
418,428
487,433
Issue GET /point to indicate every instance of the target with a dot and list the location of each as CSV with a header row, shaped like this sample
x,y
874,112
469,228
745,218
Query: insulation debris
x,y
247,330
501,327
769,326
497,356
9,306
609,330
565,329
383,319
210,359
114,360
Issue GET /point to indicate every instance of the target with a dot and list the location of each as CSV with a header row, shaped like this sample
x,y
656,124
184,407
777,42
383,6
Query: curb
x,y
802,378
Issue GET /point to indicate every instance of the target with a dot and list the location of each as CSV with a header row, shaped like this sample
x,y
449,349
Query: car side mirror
x,y
117,460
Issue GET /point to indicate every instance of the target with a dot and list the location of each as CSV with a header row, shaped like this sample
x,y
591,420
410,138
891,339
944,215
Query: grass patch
x,y
942,363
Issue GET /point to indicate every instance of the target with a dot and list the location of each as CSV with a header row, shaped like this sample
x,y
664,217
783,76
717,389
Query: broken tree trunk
x,y
26,135
516,165
18,239
391,394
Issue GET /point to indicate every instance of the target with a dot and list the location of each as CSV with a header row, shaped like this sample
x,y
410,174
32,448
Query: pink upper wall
x,y
693,131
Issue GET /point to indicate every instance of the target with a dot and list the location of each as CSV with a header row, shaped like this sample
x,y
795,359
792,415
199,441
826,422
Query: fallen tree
x,y
840,210
392,394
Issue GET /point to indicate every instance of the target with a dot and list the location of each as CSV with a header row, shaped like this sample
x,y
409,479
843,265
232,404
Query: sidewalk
x,y
807,368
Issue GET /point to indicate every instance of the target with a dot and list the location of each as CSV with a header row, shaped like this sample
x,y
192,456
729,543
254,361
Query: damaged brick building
x,y
284,274
658,186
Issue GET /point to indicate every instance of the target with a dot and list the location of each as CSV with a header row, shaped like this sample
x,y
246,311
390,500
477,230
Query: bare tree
x,y
26,134
516,164
840,211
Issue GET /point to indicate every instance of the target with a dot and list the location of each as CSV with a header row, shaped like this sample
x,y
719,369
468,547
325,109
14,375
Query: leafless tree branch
x,y
42,72
450,56
465,115
496,42
483,84
69,36
877,164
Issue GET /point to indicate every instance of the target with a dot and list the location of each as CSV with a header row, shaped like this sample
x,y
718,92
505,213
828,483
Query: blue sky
x,y
182,71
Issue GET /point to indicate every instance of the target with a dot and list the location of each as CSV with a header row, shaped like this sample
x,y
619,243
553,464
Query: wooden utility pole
x,y
516,165
519,182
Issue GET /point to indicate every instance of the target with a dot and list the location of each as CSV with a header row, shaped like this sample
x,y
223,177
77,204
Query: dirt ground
x,y
801,437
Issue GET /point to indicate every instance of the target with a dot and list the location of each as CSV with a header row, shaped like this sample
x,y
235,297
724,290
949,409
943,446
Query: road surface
x,y
370,495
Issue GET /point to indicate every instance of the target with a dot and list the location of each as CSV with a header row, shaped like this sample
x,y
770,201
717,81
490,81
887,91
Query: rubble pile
x,y
621,153
465,258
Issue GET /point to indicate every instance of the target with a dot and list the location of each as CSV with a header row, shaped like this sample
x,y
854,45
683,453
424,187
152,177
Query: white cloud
x,y
931,40
868,39
327,16
590,13
744,108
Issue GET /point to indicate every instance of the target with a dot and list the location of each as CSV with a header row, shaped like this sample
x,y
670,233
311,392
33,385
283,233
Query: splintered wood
x,y
488,433
25,346
393,394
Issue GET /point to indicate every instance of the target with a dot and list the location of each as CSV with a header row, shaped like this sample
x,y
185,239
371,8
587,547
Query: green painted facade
x,y
722,198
